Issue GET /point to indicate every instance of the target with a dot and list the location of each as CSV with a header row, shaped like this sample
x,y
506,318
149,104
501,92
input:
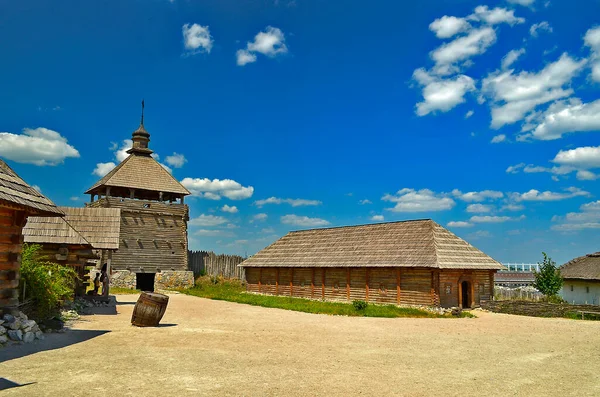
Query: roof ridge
x,y
363,225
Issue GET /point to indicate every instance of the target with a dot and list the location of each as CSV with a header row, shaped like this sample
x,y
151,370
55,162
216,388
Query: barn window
x,y
587,290
571,288
448,288
382,290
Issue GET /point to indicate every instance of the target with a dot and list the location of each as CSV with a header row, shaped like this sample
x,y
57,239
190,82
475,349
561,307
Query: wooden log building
x,y
153,245
405,263
18,201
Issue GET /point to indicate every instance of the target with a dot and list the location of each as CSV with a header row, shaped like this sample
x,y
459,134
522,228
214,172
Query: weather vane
x,y
142,112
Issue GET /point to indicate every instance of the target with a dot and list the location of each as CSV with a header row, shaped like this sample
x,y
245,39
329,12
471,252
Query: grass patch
x,y
123,291
234,291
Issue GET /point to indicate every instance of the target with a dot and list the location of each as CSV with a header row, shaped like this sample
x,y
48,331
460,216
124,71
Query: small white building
x,y
582,280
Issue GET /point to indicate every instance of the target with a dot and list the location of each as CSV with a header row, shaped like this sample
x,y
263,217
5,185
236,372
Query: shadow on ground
x,y
9,384
51,342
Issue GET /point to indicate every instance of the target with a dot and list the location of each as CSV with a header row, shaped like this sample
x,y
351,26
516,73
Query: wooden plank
x,y
348,284
398,286
323,283
292,283
312,283
367,286
259,278
277,281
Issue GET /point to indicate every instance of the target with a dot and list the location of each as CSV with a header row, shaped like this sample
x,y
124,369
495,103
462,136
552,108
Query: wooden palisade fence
x,y
211,264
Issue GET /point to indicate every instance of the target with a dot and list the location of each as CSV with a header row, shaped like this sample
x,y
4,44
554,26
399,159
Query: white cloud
x,y
477,196
592,40
478,234
499,138
176,160
516,95
270,42
511,57
217,188
292,202
525,3
513,169
103,168
196,38
494,219
536,195
469,114
74,198
36,187
303,221
213,233
495,16
231,209
441,94
260,217
365,201
377,218
411,200
244,57
207,220
459,224
587,218
479,208
39,146
448,26
512,207
585,175
536,28
564,117
585,157
475,43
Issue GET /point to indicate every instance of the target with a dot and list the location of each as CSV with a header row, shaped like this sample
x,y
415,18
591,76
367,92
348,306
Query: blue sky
x,y
483,116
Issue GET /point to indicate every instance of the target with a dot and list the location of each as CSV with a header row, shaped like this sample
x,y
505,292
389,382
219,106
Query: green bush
x,y
360,305
47,284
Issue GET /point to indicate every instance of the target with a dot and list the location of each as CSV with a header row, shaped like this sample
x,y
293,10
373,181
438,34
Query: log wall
x,y
153,235
408,286
12,222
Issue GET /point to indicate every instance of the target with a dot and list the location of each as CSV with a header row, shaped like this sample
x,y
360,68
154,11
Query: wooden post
x,y
491,285
277,281
108,191
398,286
367,285
131,193
459,294
259,278
348,283
323,284
292,283
312,283
160,196
107,278
472,303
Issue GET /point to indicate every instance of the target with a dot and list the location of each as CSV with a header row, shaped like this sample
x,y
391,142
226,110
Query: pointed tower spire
x,y
140,138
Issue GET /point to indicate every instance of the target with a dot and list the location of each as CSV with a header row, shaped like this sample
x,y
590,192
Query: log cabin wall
x,y
12,222
153,235
406,286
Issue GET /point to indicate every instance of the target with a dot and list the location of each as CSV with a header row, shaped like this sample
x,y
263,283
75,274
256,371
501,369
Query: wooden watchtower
x,y
153,241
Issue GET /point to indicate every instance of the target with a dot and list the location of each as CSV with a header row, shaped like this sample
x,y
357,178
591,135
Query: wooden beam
x,y
277,281
312,283
491,285
367,285
472,303
398,286
347,283
323,283
259,278
292,283
459,293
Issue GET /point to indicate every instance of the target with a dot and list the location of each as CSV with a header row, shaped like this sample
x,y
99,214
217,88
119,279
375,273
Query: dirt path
x,y
222,348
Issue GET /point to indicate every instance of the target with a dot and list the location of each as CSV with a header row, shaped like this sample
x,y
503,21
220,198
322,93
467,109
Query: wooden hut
x,y
153,241
18,201
582,280
411,262
80,239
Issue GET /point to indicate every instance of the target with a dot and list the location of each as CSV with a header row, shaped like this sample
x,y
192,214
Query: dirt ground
x,y
219,348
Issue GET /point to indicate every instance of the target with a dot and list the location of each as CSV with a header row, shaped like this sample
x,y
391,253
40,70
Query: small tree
x,y
548,280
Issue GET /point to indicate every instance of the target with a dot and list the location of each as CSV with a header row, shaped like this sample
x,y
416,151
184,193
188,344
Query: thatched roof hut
x,y
18,201
413,262
582,279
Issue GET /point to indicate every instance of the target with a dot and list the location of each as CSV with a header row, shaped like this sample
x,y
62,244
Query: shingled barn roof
x,y
14,191
585,267
55,230
100,226
140,171
418,243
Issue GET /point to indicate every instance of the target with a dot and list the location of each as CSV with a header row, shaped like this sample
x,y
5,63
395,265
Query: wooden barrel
x,y
149,309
